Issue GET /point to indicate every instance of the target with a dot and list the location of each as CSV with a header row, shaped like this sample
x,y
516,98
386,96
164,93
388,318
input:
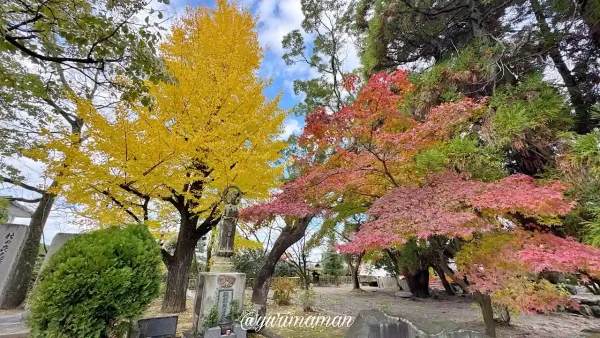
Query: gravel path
x,y
457,309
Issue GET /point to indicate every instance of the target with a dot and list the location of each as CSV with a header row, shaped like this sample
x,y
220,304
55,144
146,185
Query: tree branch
x,y
34,19
118,203
22,185
24,200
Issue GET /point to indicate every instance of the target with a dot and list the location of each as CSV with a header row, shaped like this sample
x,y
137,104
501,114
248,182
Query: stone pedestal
x,y
218,296
221,264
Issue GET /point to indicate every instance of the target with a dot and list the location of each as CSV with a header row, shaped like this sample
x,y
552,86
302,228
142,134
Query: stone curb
x,y
14,319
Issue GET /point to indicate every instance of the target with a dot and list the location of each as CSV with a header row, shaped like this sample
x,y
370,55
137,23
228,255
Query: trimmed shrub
x,y
95,284
283,290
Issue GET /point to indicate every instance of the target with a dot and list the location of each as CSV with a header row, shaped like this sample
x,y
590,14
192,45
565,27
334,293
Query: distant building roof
x,y
17,209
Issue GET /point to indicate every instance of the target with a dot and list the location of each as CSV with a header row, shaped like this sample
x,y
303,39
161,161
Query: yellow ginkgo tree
x,y
209,128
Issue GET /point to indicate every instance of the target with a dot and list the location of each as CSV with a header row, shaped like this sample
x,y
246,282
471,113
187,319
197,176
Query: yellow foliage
x,y
244,243
283,290
211,128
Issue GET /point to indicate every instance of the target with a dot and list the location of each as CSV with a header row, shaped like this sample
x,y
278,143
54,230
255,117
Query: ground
x,y
456,309
342,300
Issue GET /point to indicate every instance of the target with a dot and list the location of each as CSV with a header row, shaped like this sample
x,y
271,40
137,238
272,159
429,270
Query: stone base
x,y
217,292
222,264
215,332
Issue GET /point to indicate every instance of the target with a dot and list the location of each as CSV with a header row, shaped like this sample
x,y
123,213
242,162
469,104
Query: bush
x,y
283,290
308,299
95,284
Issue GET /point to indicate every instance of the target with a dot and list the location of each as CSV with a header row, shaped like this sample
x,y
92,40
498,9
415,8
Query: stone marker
x,y
160,327
217,291
386,282
220,289
57,242
403,284
12,238
376,324
360,328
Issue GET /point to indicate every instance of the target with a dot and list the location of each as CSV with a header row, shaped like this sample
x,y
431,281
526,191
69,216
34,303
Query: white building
x,y
16,209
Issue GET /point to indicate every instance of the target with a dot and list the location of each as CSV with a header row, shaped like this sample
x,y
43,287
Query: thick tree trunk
x,y
178,266
291,233
551,47
485,302
418,283
501,314
18,284
447,286
355,281
354,263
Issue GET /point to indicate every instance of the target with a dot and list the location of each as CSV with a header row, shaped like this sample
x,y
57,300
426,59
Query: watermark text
x,y
256,322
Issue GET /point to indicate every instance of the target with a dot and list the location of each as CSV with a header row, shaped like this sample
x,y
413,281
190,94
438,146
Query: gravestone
x,y
57,242
376,324
159,327
220,293
12,239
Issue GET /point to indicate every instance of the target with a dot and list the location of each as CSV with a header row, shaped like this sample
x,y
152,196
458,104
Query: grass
x,y
302,332
184,321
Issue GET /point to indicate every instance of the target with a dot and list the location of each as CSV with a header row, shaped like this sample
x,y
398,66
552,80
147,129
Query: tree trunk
x,y
591,17
447,286
209,251
304,281
291,233
485,302
355,281
551,48
18,285
501,314
178,266
397,272
354,269
418,283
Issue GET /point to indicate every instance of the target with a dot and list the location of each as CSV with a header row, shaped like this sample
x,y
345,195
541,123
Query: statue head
x,y
232,195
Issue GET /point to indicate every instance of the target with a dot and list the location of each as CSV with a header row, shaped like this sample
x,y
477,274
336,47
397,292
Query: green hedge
x,y
96,283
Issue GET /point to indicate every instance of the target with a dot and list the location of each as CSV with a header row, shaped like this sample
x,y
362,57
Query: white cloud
x,y
291,126
276,19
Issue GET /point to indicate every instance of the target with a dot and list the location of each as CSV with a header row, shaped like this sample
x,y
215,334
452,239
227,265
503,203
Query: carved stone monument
x,y
12,238
58,241
222,261
220,293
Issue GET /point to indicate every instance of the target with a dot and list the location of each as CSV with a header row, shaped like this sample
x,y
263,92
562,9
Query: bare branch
x,y
22,185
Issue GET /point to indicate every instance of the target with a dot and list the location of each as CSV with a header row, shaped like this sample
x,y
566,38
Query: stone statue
x,y
232,196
